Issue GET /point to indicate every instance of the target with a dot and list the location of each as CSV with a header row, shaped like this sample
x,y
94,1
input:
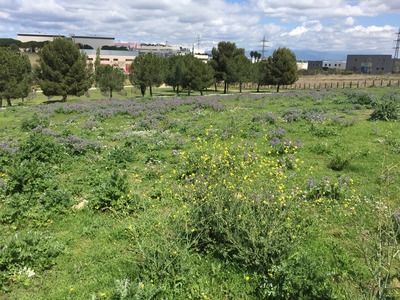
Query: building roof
x,y
43,35
91,37
110,52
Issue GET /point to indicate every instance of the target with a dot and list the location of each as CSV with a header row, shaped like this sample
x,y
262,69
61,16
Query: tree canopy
x,y
281,68
175,71
62,69
15,75
198,76
239,69
147,71
221,55
109,78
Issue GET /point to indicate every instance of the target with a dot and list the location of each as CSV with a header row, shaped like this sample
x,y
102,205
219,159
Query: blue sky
x,y
365,26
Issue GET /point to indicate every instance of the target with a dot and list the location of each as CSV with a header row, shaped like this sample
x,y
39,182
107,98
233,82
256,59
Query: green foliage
x,y
112,193
31,184
147,71
25,255
327,188
281,68
362,98
15,75
109,78
239,69
33,122
338,161
198,75
387,108
244,209
225,52
62,69
176,71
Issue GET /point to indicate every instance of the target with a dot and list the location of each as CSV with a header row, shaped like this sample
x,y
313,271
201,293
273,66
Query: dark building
x,y
370,63
314,65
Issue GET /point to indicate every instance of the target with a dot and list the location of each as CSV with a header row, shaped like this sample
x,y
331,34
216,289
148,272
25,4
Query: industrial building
x,y
92,41
315,65
122,59
334,64
369,63
27,37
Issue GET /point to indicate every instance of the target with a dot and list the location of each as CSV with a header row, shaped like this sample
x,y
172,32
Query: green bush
x,y
387,108
25,255
113,193
41,148
338,161
34,122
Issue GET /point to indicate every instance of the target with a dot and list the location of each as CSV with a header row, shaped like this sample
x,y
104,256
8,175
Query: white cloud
x,y
298,24
349,21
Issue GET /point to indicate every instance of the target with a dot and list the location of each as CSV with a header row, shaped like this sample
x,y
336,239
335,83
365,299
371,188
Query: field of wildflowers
x,y
244,196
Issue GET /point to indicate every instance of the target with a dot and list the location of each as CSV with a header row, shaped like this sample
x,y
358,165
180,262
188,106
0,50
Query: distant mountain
x,y
307,55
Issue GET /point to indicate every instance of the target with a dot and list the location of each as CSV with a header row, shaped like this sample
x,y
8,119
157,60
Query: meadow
x,y
290,195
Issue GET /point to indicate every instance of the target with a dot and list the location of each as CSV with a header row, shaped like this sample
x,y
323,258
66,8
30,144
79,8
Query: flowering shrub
x,y
327,188
227,217
268,118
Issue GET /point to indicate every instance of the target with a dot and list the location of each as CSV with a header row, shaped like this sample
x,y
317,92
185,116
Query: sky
x,y
365,26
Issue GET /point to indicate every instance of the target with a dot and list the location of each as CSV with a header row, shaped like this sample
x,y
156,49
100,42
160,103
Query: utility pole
x,y
264,41
396,52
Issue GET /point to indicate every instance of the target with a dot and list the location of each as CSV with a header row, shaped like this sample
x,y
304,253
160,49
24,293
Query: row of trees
x,y
62,70
228,65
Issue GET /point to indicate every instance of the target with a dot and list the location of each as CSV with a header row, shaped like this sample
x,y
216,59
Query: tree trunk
x,y
201,92
110,93
151,91
188,92
1,102
225,87
177,90
215,86
258,87
64,98
277,88
9,101
240,87
143,90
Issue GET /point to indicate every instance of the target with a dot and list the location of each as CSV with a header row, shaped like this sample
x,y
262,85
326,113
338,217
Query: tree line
x,y
62,70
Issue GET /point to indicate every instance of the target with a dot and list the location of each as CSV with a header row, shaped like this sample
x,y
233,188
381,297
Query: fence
x,y
345,84
327,84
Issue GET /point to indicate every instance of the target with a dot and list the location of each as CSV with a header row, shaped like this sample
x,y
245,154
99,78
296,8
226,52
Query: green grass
x,y
197,200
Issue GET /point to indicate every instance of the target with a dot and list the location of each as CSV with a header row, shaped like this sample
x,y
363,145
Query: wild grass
x,y
252,196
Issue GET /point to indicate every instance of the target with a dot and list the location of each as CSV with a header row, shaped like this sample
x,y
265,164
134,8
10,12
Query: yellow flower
x,y
247,278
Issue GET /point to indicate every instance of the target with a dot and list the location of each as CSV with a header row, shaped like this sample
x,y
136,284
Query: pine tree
x,y
15,75
62,69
